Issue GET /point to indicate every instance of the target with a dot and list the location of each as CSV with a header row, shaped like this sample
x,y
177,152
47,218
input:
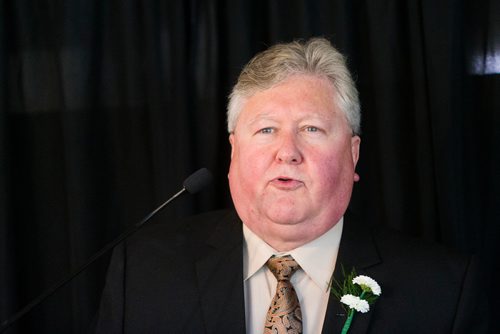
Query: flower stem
x,y
347,323
350,316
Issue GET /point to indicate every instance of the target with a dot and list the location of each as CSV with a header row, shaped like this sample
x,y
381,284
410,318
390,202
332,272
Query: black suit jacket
x,y
188,278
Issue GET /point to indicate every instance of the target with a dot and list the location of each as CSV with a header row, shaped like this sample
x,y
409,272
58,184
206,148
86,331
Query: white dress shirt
x,y
317,261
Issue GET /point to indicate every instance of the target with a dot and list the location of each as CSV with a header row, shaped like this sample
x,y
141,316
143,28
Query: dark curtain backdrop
x,y
106,106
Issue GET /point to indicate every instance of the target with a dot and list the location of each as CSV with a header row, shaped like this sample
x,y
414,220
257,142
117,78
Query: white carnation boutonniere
x,y
357,292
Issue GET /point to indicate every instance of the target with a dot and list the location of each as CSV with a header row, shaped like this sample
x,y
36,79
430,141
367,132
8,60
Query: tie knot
x,y
282,267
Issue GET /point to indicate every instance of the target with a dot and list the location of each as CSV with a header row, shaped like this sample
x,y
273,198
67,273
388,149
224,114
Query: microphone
x,y
197,181
194,183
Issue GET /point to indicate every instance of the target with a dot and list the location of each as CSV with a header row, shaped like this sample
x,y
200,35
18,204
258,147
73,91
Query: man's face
x,y
292,162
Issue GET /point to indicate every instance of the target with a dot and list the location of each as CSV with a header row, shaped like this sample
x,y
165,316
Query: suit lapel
x,y
357,250
219,272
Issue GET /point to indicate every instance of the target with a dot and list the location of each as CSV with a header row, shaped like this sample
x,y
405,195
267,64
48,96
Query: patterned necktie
x,y
284,315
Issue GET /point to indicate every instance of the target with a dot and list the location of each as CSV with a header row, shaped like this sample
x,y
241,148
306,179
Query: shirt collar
x,y
256,253
317,258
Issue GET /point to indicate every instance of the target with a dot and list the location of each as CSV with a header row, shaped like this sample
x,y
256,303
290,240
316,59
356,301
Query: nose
x,y
288,151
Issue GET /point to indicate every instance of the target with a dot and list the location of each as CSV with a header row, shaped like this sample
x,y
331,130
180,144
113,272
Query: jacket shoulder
x,y
196,227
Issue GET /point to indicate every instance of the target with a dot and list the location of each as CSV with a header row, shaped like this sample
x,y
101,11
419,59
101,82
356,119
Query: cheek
x,y
334,170
247,164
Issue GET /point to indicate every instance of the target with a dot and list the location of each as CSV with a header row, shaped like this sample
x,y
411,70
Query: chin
x,y
285,216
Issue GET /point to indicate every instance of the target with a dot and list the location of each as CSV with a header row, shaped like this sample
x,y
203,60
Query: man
x,y
294,120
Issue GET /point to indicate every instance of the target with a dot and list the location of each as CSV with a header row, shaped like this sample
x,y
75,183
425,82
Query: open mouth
x,y
286,183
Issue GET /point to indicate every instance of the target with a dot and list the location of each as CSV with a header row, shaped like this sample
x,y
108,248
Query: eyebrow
x,y
268,117
261,117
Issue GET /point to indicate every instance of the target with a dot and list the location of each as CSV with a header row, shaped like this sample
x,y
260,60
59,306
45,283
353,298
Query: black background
x,y
106,106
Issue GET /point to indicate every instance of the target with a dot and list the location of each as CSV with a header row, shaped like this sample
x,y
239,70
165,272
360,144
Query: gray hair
x,y
315,56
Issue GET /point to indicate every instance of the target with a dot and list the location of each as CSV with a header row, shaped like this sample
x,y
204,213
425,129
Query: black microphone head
x,y
198,180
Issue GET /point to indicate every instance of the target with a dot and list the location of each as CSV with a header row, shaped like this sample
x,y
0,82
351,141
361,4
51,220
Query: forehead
x,y
302,96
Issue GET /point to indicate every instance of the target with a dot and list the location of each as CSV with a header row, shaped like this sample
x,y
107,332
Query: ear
x,y
231,141
355,143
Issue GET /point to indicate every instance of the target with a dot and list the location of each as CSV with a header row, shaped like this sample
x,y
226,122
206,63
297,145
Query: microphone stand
x,y
193,184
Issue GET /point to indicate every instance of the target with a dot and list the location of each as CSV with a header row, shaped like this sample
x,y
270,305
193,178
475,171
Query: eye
x,y
311,129
266,130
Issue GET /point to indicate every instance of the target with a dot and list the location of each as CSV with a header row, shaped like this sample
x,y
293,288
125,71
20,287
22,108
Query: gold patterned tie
x,y
284,315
